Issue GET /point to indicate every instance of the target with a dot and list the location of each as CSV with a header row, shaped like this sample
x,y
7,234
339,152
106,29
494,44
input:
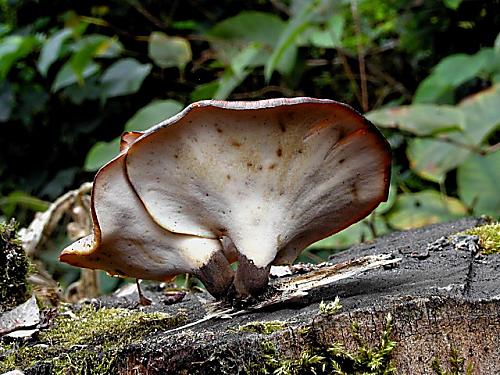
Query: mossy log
x,y
436,310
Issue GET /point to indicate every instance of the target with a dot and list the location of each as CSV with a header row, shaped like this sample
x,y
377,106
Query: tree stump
x,y
434,309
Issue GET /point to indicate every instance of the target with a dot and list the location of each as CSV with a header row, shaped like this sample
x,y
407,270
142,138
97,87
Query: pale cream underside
x,y
272,180
132,244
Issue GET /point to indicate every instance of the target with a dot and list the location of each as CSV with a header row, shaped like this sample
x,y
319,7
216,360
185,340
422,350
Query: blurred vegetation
x,y
74,75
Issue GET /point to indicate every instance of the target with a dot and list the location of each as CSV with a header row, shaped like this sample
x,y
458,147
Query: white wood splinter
x,y
223,181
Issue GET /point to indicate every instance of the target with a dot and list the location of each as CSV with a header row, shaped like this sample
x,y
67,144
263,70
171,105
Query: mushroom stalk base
x,y
216,275
250,280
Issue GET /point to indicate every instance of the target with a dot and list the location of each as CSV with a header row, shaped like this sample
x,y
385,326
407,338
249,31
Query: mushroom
x,y
127,242
269,177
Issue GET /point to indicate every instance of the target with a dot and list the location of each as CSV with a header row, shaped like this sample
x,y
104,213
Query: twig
x,y
361,56
33,237
155,21
350,75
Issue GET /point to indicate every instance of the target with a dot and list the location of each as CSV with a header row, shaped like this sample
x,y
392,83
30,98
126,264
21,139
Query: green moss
x,y
265,328
14,268
489,237
455,365
331,359
87,341
330,308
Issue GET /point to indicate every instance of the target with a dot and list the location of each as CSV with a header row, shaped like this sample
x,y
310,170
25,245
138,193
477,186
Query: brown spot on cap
x,y
235,144
279,152
282,126
272,166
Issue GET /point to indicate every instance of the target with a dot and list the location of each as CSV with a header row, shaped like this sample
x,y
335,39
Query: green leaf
x,y
228,82
231,36
420,119
433,158
413,210
152,114
287,39
66,75
451,72
356,233
100,154
90,90
51,50
478,181
124,77
482,114
13,48
239,69
331,36
9,203
89,47
452,4
496,45
204,91
169,51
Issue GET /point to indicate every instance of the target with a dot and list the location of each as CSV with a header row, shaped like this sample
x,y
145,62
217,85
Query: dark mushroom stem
x,y
217,275
143,300
250,280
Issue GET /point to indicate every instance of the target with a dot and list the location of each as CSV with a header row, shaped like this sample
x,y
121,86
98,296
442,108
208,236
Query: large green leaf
x,y
66,75
433,158
420,119
13,48
232,36
478,181
482,114
169,51
51,50
413,210
153,114
451,72
295,26
100,154
124,77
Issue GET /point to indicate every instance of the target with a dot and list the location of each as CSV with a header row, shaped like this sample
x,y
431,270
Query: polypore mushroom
x,y
127,242
270,176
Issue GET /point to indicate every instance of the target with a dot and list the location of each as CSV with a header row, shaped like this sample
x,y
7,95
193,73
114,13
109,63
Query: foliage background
x,y
74,75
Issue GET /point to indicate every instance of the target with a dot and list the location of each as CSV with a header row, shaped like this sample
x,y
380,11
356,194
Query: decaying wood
x,y
40,229
443,299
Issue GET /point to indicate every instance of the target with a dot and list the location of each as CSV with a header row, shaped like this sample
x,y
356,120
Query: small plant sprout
x,y
253,182
330,308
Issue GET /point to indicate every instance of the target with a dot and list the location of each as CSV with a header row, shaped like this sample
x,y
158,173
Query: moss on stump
x,y
14,267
